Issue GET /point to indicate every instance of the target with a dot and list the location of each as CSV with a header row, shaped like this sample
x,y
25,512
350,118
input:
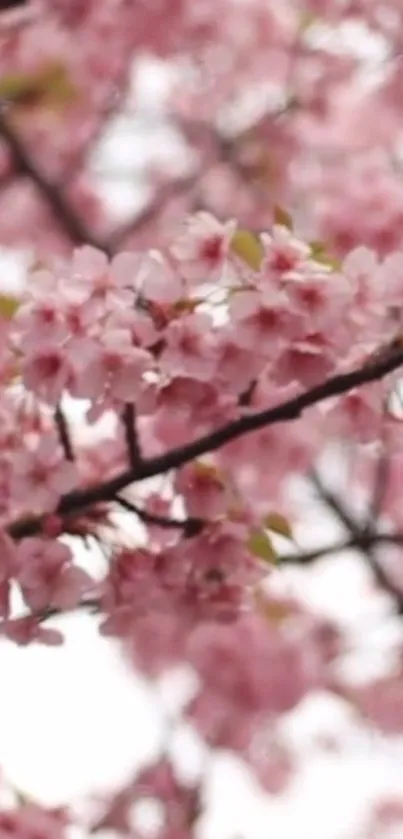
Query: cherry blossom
x,y
47,576
42,476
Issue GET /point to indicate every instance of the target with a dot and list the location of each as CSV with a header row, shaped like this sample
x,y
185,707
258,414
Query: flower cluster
x,y
171,349
219,326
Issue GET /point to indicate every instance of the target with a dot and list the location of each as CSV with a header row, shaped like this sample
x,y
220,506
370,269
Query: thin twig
x,y
366,541
335,505
362,543
380,484
191,526
132,441
64,434
72,224
89,604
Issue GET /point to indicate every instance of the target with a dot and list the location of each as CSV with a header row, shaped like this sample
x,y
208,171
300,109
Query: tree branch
x,y
366,540
64,435
72,224
362,543
89,604
132,441
12,4
285,412
191,526
330,499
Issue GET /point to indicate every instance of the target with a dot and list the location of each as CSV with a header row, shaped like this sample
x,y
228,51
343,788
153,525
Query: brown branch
x,y
380,484
191,526
91,605
360,543
132,441
12,4
366,540
64,434
334,504
72,224
287,411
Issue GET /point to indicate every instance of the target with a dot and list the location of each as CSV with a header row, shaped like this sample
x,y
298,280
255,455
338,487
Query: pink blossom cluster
x,y
171,346
191,338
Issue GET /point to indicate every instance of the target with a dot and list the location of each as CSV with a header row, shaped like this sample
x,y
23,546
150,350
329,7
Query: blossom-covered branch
x,y
291,409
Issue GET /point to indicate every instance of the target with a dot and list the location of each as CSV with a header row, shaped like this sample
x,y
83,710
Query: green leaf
x,y
248,247
8,306
49,87
281,216
279,524
260,544
207,470
307,20
318,252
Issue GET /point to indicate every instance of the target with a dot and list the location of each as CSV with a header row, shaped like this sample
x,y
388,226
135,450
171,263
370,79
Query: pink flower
x,y
283,252
29,820
364,274
41,476
247,670
112,369
157,281
381,702
202,249
109,283
47,372
8,556
263,321
307,362
39,323
359,413
28,629
320,298
272,763
131,587
204,489
8,568
237,367
190,348
47,576
221,568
